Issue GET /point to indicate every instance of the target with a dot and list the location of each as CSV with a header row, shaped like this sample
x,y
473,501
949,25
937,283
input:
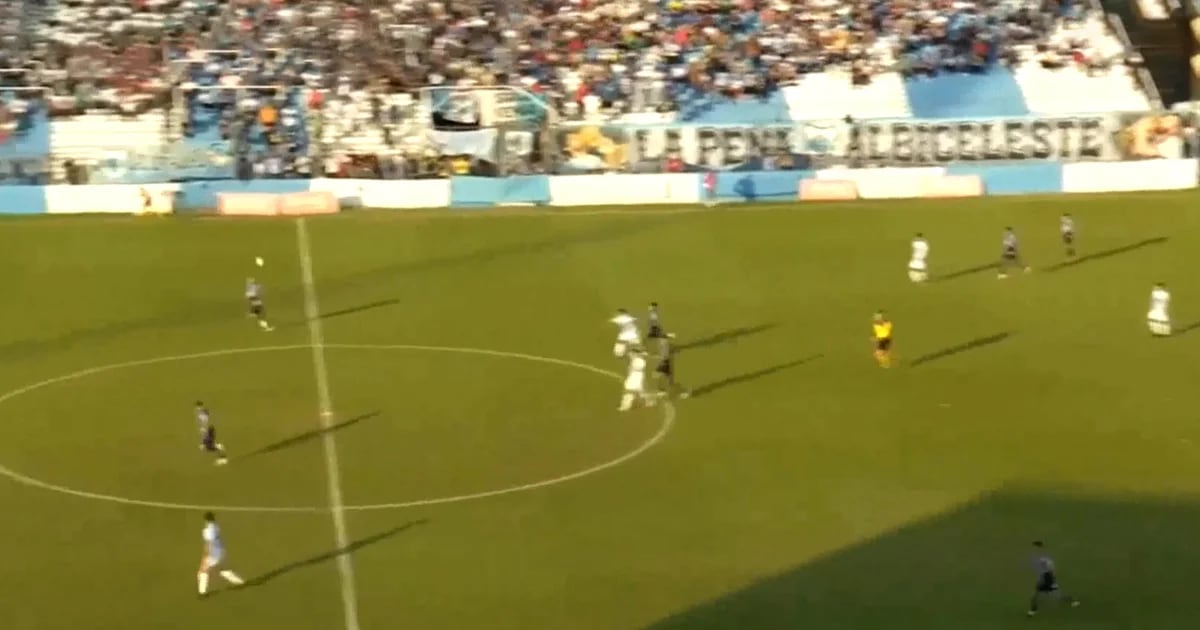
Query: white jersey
x,y
636,379
627,329
214,548
920,251
1160,301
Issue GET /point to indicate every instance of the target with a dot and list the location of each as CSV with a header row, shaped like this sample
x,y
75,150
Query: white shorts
x,y
632,337
635,382
1158,317
211,562
916,265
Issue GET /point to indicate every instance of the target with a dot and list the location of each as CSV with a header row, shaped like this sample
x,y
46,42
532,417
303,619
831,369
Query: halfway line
x,y
337,505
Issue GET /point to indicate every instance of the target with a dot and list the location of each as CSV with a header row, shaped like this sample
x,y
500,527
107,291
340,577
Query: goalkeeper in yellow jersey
x,y
881,329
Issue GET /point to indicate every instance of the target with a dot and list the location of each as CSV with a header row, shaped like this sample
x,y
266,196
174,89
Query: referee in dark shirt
x,y
1047,581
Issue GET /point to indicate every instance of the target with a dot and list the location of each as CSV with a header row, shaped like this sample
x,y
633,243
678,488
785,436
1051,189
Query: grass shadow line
x,y
330,555
725,336
360,308
968,271
307,436
750,376
1188,328
1067,264
960,348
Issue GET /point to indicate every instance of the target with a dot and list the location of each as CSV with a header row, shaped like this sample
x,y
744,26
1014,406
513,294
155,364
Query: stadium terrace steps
x,y
1070,89
91,138
992,93
831,95
717,110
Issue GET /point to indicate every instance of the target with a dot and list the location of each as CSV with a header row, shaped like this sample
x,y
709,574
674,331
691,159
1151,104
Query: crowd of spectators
x,y
631,55
585,57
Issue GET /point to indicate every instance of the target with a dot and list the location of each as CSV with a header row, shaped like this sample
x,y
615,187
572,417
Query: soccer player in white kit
x,y
635,381
214,555
628,334
918,270
1159,317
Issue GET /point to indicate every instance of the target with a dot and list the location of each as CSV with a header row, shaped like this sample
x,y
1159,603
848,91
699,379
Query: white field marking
x,y
664,428
312,313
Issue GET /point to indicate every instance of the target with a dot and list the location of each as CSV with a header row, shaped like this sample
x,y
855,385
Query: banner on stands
x,y
112,199
1129,176
893,142
597,190
270,205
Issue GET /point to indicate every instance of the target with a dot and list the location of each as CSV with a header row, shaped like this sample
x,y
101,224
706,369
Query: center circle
x,y
314,430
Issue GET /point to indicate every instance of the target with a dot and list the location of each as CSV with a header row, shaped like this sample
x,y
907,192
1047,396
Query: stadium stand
x,y
274,88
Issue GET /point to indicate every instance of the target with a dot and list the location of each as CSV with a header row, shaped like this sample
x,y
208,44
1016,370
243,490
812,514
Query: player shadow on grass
x,y
360,308
738,379
1125,557
1187,328
992,266
724,336
960,348
331,555
1067,264
307,436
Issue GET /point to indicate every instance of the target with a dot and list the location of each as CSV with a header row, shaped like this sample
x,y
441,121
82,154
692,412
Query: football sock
x,y
626,402
202,582
232,577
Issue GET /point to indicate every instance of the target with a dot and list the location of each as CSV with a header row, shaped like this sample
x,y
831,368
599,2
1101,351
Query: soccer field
x,y
487,480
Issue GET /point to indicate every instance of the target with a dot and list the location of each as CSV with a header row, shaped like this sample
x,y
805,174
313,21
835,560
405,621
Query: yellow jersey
x,y
883,329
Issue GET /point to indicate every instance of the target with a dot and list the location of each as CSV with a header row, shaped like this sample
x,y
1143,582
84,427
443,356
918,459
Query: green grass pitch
x,y
803,487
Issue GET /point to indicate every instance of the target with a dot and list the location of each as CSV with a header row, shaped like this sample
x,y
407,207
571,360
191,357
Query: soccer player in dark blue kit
x,y
1066,229
668,387
1047,581
654,322
1011,255
208,434
254,300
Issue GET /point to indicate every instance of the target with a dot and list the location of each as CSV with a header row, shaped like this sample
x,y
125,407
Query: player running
x,y
1066,229
667,386
1011,256
208,434
628,335
881,334
918,270
254,298
1159,317
1047,581
635,381
214,555
654,328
